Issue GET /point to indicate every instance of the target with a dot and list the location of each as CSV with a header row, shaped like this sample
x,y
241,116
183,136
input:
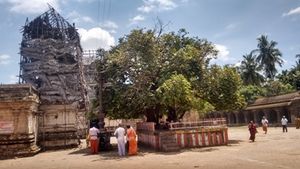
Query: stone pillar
x,y
228,118
236,114
278,115
267,114
292,113
246,116
255,117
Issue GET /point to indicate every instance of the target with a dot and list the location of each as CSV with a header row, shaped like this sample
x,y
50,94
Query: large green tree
x,y
221,88
177,96
268,56
274,88
252,92
145,60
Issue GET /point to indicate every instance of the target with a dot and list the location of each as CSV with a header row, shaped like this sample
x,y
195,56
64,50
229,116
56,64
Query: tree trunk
x,y
153,114
172,116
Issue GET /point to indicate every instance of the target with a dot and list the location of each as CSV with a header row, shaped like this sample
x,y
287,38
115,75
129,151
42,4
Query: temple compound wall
x,y
273,108
18,120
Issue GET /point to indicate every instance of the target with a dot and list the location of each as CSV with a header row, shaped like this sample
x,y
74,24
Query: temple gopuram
x,y
47,108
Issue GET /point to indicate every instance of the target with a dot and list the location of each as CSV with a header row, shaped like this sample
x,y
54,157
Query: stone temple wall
x,y
18,120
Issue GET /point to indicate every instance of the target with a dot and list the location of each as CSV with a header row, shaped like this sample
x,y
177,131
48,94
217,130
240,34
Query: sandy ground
x,y
270,151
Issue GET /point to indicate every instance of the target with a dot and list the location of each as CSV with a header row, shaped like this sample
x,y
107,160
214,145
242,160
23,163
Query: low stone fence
x,y
183,135
196,124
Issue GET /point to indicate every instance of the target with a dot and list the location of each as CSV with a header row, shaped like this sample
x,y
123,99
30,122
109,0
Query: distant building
x,y
273,108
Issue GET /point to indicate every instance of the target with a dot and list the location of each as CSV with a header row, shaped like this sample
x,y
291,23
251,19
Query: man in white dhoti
x,y
120,135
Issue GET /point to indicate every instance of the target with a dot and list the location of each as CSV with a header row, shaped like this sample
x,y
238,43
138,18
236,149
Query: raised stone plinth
x,y
20,145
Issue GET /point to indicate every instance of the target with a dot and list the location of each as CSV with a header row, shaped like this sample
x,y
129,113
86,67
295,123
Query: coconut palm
x,y
297,62
250,70
268,56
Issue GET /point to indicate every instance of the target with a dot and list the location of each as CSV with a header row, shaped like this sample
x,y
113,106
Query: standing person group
x,y
93,139
130,137
252,127
284,122
252,130
264,123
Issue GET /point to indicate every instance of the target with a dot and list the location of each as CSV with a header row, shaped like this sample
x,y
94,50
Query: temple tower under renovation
x,y
51,60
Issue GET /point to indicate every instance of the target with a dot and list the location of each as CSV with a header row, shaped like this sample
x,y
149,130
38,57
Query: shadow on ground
x,y
143,150
113,154
234,142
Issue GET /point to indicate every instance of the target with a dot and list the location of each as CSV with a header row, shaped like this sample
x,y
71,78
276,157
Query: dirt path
x,y
271,151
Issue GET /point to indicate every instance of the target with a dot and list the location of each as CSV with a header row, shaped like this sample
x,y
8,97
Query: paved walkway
x,y
271,151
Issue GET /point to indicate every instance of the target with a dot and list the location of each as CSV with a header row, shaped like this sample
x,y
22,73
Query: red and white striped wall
x,y
203,137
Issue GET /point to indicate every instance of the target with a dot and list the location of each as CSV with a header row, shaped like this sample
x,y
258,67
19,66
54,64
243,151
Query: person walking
x,y
93,139
120,134
284,122
131,138
252,130
265,123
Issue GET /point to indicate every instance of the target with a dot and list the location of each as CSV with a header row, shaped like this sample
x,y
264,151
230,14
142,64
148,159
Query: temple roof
x,y
275,101
49,25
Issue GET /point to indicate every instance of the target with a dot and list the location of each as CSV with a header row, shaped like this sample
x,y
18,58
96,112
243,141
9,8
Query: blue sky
x,y
232,25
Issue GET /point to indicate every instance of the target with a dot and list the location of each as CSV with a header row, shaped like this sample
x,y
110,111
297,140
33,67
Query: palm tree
x,y
268,56
249,70
297,62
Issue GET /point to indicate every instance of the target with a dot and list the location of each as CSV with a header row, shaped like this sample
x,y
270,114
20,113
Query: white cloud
x,y
88,1
223,53
87,19
31,6
227,30
136,19
77,18
284,61
4,59
292,12
238,64
95,38
231,26
109,25
13,79
159,5
146,8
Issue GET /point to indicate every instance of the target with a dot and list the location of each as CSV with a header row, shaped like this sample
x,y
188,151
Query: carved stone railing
x,y
217,122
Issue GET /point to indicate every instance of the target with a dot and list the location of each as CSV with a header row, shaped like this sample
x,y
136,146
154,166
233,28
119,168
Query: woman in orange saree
x,y
131,138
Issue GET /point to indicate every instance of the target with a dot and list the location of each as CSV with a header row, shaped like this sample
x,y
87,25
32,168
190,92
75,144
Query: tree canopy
x,y
221,87
152,73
